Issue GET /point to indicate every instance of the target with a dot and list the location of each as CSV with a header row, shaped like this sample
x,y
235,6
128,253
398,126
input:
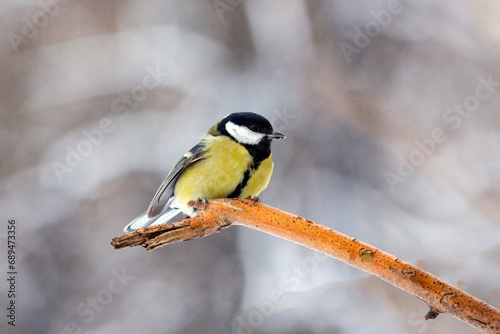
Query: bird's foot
x,y
203,200
255,199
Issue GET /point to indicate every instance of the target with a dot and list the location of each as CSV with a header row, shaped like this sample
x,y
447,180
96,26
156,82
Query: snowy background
x,y
391,115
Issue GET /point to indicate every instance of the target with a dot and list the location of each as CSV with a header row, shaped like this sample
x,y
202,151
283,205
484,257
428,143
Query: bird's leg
x,y
255,199
204,201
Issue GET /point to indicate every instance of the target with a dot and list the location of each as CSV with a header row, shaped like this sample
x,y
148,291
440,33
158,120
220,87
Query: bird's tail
x,y
143,220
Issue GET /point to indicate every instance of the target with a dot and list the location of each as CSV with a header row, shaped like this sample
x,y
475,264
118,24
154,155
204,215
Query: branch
x,y
439,295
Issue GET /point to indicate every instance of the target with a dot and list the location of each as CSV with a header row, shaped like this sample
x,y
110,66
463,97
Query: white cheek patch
x,y
243,134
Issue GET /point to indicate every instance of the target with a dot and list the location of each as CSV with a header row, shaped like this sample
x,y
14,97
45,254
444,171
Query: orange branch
x,y
439,295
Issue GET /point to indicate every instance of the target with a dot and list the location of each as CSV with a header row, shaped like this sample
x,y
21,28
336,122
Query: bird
x,y
233,160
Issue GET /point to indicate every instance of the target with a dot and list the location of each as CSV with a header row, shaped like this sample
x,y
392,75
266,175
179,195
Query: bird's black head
x,y
251,130
247,128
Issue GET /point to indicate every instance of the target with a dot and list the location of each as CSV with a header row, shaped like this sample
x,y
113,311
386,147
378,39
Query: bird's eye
x,y
254,128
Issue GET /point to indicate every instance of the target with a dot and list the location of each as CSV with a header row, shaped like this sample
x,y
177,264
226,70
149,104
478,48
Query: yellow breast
x,y
220,173
259,179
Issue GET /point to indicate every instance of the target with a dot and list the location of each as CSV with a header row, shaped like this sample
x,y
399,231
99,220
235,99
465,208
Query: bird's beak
x,y
276,135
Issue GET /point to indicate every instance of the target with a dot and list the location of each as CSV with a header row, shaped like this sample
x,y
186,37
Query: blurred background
x,y
390,112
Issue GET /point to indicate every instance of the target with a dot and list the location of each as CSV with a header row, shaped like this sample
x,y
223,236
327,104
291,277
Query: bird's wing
x,y
143,220
166,190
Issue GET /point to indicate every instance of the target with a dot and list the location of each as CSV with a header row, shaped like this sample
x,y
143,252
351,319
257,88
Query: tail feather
x,y
143,220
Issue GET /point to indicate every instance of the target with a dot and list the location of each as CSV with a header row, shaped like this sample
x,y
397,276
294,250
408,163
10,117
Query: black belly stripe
x,y
246,177
259,152
237,192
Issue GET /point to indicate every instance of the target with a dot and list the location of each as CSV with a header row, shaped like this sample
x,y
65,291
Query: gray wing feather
x,y
166,190
143,220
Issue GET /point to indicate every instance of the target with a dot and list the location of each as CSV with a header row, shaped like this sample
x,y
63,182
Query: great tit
x,y
232,160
